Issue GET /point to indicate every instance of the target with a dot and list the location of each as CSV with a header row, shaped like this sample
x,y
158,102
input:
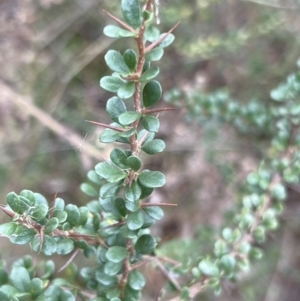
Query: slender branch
x,y
69,261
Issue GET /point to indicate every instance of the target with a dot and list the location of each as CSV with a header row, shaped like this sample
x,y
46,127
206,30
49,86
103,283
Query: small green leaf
x,y
126,90
49,245
146,191
113,31
149,74
130,59
228,263
36,287
8,229
108,136
134,162
136,280
115,62
51,225
112,268
111,83
131,12
132,206
40,199
109,190
59,204
115,107
119,157
151,123
93,177
110,172
60,215
135,220
153,147
145,244
278,192
84,215
151,33
155,212
209,268
88,189
152,179
39,211
29,195
65,246
106,280
9,290
151,93
116,254
129,117
167,41
155,54
148,221
22,235
227,234
133,192
20,278
16,204
73,214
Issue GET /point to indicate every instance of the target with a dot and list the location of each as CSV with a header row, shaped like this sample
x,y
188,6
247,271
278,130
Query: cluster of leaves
x,y
250,118
265,188
114,227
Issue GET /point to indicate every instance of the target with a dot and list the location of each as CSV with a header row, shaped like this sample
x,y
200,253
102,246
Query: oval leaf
x,y
116,254
134,162
136,280
149,74
155,212
65,246
145,244
110,172
135,220
151,93
73,214
115,62
133,192
126,90
130,59
111,83
115,107
153,147
119,158
152,179
154,54
88,189
131,12
129,117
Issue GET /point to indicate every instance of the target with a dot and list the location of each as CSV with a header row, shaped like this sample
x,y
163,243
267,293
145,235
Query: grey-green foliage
x,y
114,227
265,188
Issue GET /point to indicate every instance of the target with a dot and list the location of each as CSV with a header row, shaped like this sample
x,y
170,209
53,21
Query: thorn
x,y
149,111
119,21
108,126
151,46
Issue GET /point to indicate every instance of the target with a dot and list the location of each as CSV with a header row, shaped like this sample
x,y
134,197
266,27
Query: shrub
x,y
114,229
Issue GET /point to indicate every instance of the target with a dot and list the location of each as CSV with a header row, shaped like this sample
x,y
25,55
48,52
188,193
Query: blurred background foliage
x,y
51,58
